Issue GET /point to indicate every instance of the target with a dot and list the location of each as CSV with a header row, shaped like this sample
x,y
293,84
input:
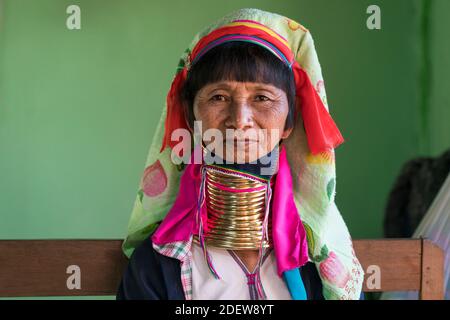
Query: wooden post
x,y
432,279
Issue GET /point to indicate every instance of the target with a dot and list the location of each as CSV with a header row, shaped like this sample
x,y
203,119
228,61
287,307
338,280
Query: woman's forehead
x,y
232,85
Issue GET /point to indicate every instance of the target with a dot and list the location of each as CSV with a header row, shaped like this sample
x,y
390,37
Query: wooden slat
x,y
399,261
38,267
432,282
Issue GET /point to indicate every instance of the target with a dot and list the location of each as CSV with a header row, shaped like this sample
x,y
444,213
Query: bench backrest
x,y
31,268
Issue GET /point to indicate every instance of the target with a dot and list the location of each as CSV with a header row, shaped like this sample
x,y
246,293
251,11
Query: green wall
x,y
439,70
78,108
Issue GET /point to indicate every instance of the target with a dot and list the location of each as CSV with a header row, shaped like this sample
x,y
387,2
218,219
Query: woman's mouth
x,y
239,141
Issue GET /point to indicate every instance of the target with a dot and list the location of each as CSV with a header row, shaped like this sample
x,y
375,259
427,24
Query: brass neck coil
x,y
236,208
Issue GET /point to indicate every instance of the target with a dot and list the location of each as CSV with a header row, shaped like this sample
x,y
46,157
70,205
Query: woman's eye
x,y
218,97
262,98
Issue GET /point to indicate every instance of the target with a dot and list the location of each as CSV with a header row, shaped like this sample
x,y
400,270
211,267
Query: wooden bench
x,y
31,268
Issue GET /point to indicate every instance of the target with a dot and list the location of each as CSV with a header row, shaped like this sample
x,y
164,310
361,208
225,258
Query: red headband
x,y
321,131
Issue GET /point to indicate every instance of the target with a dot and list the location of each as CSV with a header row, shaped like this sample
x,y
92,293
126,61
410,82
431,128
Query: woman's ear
x,y
286,133
189,122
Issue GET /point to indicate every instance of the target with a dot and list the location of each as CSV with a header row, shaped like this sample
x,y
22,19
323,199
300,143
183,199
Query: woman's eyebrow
x,y
268,89
264,87
215,87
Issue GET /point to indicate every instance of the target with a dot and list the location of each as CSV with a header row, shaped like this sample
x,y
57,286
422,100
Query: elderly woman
x,y
252,215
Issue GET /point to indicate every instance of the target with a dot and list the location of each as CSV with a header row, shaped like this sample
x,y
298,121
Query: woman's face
x,y
250,117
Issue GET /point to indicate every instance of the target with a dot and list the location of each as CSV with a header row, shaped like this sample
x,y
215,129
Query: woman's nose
x,y
240,115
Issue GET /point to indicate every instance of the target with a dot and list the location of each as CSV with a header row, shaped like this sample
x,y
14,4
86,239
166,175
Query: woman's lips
x,y
244,145
239,140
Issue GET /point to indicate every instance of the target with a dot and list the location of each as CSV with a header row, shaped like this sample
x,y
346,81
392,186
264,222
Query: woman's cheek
x,y
203,115
271,112
268,120
208,122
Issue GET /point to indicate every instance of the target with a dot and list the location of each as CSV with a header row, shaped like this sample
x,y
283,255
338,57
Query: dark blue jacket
x,y
153,276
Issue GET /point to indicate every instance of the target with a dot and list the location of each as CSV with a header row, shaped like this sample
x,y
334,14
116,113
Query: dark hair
x,y
243,62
